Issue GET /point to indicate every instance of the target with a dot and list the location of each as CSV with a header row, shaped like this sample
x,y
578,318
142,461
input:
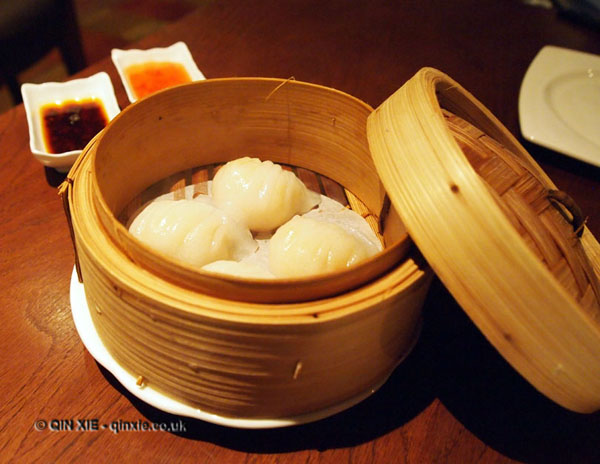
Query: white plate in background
x,y
559,103
35,96
176,53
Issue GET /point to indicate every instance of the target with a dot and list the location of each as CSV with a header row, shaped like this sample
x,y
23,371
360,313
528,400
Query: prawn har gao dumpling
x,y
305,246
192,231
261,194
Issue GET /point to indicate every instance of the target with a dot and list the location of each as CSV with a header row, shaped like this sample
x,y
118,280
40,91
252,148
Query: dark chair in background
x,y
29,29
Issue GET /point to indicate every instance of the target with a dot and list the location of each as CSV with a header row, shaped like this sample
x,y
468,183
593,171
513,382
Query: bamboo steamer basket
x,y
242,348
513,251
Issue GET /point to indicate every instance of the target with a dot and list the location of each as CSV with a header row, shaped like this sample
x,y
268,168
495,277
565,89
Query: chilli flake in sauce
x,y
72,124
147,78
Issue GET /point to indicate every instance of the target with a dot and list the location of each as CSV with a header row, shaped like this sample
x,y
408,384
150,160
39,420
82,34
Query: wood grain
x,y
454,400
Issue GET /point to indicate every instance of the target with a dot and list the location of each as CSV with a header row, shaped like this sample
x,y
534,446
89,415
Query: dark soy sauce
x,y
72,124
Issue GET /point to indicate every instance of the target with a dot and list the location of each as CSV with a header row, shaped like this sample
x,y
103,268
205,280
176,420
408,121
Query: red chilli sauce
x,y
147,78
72,124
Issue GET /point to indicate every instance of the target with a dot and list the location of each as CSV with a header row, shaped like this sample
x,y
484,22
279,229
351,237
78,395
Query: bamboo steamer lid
x,y
509,247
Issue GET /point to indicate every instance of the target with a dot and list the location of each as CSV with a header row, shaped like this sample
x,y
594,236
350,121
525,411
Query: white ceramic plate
x,y
98,86
176,53
90,338
559,103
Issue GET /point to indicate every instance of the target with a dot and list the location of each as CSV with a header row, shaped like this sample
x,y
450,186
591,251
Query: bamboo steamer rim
x,y
536,325
81,202
285,290
132,283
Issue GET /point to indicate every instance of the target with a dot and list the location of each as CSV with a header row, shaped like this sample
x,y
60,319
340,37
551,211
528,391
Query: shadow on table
x,y
547,157
53,177
453,362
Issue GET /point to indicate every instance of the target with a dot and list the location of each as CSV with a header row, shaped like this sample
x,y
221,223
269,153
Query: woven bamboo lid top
x,y
511,249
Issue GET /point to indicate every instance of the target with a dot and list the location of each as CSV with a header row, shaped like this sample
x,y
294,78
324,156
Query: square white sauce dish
x,y
144,72
64,116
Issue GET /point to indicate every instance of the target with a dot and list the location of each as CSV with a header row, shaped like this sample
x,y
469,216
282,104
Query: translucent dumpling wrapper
x,y
305,246
238,269
261,194
194,232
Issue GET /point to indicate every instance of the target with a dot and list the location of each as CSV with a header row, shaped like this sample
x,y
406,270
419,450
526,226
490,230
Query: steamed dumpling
x,y
261,194
305,246
239,269
192,231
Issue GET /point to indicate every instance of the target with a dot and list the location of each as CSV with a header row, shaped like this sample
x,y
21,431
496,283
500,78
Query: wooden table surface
x,y
453,400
